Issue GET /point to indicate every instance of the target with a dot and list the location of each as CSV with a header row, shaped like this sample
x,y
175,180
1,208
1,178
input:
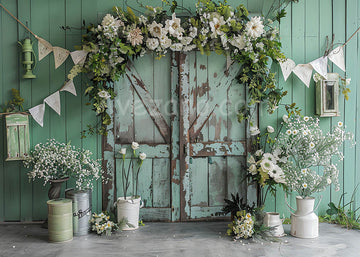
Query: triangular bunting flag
x,y
44,48
37,113
79,57
287,67
320,66
60,55
337,57
54,102
304,72
69,87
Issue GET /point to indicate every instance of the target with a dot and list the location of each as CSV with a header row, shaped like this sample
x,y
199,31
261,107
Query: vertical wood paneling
x,y
339,29
25,86
200,184
325,19
10,79
2,122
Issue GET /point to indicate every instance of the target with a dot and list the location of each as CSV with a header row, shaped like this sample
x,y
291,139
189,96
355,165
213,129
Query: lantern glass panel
x,y
330,95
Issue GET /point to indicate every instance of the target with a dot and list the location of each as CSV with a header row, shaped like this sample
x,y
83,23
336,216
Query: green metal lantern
x,y
28,58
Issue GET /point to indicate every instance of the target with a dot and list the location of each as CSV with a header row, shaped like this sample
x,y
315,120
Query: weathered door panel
x,y
142,114
216,141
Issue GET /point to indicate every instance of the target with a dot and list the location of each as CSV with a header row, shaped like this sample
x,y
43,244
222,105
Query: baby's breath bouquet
x,y
101,224
54,160
308,151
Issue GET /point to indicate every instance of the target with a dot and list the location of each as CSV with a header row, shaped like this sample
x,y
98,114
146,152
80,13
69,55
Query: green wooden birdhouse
x,y
17,131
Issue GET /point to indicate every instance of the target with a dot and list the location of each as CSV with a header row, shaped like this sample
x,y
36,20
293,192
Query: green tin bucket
x,y
60,225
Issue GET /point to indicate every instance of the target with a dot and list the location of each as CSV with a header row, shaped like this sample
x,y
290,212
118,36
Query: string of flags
x,y
60,55
304,71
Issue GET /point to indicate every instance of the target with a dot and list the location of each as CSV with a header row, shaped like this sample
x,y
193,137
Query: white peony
x,y
186,40
104,94
108,20
189,48
267,165
177,47
215,26
165,42
156,29
255,27
193,32
173,26
134,145
152,43
142,156
253,169
254,131
270,129
238,42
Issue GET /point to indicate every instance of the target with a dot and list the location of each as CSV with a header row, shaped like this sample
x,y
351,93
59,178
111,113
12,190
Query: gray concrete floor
x,y
176,239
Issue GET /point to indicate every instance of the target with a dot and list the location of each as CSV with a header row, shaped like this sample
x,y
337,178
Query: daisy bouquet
x,y
242,225
307,154
101,224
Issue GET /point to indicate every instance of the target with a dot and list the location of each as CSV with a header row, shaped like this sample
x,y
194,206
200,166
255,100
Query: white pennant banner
x,y
54,102
79,57
287,67
320,66
37,113
69,87
60,55
304,72
44,48
337,57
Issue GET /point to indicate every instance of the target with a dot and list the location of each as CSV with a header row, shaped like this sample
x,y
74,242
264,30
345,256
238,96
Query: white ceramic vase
x,y
129,209
273,221
304,221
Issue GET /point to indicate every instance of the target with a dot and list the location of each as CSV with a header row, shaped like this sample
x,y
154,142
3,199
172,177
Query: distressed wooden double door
x,y
182,110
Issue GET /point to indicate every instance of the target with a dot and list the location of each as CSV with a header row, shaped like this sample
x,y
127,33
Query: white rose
x,y
254,131
267,165
142,156
122,151
152,43
347,81
252,169
285,118
134,145
270,129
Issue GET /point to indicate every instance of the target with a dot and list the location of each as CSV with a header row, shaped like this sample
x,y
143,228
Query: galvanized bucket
x,y
60,226
81,210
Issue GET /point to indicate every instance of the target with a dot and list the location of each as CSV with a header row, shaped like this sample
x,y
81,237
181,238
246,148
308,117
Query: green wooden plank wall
x,y
303,34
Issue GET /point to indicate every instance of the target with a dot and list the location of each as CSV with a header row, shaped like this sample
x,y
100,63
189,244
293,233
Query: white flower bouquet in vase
x,y
308,167
128,206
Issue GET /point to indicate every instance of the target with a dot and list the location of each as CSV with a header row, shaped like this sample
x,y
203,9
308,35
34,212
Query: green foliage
x,y
236,204
15,104
343,214
216,26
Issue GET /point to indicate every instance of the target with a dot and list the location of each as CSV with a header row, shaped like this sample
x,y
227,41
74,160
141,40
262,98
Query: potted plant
x,y
264,170
128,206
52,162
308,166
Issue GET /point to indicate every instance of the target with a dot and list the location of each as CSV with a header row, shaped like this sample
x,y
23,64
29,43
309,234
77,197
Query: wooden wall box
x,y
17,132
